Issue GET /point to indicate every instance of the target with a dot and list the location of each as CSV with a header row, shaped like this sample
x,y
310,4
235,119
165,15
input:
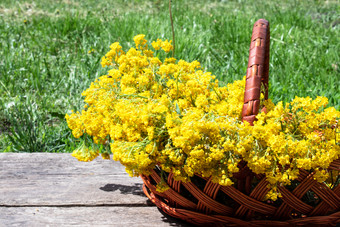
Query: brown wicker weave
x,y
202,202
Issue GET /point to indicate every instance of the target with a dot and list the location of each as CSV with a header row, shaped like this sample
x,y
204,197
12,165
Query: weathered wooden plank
x,y
59,179
45,189
84,216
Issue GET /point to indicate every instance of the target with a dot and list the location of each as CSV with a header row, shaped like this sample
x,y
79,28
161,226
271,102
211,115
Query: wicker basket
x,y
202,202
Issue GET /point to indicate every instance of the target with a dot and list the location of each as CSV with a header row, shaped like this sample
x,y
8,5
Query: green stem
x,y
172,28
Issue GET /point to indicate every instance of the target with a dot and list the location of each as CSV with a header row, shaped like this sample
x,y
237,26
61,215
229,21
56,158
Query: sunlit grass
x,y
46,62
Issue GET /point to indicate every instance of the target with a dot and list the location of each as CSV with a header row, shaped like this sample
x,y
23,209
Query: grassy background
x,y
45,64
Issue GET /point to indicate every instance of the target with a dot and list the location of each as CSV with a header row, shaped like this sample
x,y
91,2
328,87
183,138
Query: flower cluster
x,y
173,114
300,134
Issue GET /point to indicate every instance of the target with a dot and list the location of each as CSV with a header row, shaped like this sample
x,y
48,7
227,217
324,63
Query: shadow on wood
x,y
135,189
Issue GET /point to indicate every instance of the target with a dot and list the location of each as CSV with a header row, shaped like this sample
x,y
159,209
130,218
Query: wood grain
x,y
46,189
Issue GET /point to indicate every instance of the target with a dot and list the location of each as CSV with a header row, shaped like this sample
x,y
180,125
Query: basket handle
x,y
258,71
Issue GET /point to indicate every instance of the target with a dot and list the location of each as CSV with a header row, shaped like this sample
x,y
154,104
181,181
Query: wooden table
x,y
47,189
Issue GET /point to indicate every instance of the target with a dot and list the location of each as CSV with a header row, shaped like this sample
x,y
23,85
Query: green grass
x,y
45,64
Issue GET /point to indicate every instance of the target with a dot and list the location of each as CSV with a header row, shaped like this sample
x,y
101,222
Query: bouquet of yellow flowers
x,y
151,111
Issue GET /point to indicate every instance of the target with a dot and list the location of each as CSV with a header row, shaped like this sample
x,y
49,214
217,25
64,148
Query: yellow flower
x,y
166,46
140,41
157,45
84,153
172,113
